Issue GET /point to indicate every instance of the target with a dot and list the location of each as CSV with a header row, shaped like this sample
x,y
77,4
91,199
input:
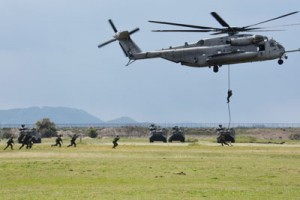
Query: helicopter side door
x,y
261,48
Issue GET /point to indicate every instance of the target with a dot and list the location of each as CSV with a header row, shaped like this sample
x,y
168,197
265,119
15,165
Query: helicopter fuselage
x,y
213,52
219,51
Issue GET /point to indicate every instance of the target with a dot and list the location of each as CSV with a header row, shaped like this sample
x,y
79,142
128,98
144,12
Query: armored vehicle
x,y
29,132
226,135
157,134
176,135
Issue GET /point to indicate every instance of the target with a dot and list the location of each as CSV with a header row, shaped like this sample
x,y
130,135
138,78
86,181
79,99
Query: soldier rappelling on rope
x,y
229,94
226,136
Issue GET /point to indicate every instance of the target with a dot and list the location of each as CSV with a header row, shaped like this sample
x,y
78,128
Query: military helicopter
x,y
213,52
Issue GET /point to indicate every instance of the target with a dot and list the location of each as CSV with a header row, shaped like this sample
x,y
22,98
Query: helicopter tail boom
x,y
128,46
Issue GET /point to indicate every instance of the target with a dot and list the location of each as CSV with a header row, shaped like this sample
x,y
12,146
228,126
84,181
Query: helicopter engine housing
x,y
255,39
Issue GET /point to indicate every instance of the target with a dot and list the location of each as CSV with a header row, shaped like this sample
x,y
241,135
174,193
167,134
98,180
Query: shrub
x,y
6,133
92,132
46,128
295,136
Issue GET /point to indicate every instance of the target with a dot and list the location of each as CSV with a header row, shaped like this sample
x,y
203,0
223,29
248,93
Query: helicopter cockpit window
x,y
280,46
272,44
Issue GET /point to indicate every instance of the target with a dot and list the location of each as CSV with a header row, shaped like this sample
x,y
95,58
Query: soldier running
x,y
30,142
58,141
10,142
25,140
73,140
115,142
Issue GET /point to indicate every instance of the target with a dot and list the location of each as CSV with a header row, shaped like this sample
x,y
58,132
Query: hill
x,y
59,115
122,120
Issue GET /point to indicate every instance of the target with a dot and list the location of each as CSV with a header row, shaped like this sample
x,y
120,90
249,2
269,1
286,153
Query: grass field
x,y
138,170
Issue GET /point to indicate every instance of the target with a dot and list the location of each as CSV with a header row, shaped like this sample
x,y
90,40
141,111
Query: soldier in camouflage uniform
x,y
73,140
58,141
115,142
10,142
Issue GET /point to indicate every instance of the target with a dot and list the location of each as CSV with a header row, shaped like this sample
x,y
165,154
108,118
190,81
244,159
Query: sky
x,y
49,57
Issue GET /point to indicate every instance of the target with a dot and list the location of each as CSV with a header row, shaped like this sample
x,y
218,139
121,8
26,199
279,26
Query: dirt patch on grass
x,y
269,133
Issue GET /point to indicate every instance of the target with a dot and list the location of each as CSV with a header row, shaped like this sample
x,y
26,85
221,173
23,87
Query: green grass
x,y
137,170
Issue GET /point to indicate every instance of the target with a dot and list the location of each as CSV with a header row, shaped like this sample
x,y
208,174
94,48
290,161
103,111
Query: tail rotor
x,y
118,35
106,43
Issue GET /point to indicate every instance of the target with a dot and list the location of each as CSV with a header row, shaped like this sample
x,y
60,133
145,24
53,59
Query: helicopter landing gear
x,y
216,68
280,61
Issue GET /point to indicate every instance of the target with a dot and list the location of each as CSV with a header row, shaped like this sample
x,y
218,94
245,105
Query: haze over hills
x,y
59,115
122,120
72,116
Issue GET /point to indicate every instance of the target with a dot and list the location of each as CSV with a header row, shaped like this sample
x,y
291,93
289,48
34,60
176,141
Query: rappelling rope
x,y
228,77
229,113
229,116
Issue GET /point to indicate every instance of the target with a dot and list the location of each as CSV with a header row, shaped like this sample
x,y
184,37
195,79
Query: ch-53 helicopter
x,y
214,52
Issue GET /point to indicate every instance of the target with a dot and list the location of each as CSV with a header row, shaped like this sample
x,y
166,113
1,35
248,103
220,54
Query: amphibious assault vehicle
x,y
176,135
157,134
26,132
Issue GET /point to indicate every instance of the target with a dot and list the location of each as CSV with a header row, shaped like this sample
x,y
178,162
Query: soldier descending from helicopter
x,y
58,141
229,94
10,142
115,142
73,140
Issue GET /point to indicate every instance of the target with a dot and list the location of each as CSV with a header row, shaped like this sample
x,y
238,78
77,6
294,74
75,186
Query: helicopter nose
x,y
281,47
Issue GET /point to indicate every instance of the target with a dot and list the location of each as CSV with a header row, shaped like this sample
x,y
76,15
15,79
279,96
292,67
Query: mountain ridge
x,y
59,115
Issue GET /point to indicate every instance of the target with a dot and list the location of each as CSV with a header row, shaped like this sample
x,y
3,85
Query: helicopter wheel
x,y
216,68
280,61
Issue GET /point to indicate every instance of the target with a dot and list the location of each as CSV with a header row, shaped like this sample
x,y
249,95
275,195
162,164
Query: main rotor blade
x,y
184,25
193,31
134,30
219,19
219,33
112,25
268,30
106,43
292,13
284,25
